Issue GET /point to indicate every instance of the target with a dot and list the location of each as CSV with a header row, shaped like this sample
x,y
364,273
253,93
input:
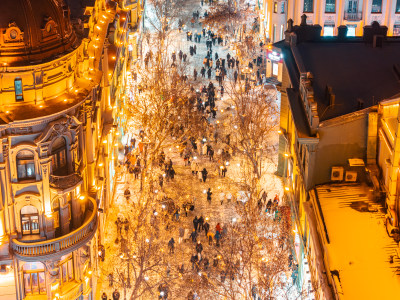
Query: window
x,y
396,30
283,7
66,269
18,89
328,30
351,30
275,69
353,6
34,279
275,7
398,6
282,32
330,6
274,34
29,220
308,6
376,6
25,165
58,157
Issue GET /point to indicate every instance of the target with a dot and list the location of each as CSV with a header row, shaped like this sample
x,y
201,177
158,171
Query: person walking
x,y
193,235
209,193
206,227
218,227
195,223
181,234
224,170
171,245
210,237
104,296
115,295
204,174
217,237
209,73
203,72
235,76
194,260
199,249
222,197
201,223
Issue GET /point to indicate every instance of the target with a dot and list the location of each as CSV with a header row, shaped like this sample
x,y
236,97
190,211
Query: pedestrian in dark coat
x,y
199,249
115,295
193,260
171,245
206,227
204,174
209,73
235,76
193,236
217,237
201,223
203,72
209,193
104,296
195,223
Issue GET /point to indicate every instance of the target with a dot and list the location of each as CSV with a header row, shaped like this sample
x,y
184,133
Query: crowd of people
x,y
207,157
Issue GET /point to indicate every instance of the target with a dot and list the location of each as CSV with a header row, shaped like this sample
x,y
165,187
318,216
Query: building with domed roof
x,y
62,85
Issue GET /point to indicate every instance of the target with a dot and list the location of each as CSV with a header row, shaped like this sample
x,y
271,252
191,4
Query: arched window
x,y
25,165
29,220
59,157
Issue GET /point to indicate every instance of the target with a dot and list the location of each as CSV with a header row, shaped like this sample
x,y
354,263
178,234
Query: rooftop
x,y
356,71
358,246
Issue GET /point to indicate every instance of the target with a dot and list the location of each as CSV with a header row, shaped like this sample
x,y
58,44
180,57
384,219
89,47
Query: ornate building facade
x,y
330,14
61,122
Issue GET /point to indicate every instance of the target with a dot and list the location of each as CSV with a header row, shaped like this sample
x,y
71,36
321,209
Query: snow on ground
x,y
359,247
185,185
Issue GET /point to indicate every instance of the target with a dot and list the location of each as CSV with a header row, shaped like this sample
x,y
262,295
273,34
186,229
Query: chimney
x,y
329,96
360,103
342,32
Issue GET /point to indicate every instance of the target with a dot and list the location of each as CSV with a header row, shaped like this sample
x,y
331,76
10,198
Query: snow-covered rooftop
x,y
358,246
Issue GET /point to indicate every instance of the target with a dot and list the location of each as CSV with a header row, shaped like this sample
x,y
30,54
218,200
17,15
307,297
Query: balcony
x,y
55,248
65,182
353,16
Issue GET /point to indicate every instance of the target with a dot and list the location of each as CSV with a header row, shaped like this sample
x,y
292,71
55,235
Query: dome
x,y
33,31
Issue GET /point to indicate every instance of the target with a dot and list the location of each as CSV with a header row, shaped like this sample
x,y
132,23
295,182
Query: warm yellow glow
x,y
114,58
287,188
104,141
100,164
117,133
40,106
65,100
280,131
98,27
81,197
383,136
54,287
286,154
7,112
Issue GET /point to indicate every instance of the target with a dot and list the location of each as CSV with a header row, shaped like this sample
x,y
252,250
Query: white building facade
x,y
353,13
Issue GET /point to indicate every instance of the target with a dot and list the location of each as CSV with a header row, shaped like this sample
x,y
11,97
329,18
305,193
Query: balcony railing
x,y
65,182
356,16
59,246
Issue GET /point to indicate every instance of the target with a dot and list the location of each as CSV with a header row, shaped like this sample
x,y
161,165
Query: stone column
x,y
48,218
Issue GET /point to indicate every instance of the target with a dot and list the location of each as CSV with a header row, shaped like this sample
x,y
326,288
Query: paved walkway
x,y
186,186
